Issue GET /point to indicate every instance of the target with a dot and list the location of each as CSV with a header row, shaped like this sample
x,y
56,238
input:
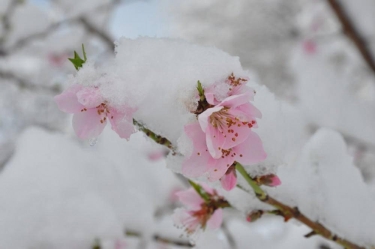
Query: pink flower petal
x,y
250,151
90,97
250,110
236,100
216,219
229,179
204,118
218,167
241,89
214,140
184,218
210,97
67,101
87,124
197,163
234,136
122,122
190,198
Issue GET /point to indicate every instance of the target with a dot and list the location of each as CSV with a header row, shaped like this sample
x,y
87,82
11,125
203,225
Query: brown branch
x,y
288,212
317,228
351,32
172,242
160,239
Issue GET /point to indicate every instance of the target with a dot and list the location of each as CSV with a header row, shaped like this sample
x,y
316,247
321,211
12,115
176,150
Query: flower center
x,y
103,111
221,119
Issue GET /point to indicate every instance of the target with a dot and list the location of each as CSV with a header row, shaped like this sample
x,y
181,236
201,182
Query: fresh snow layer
x,y
159,78
328,188
56,194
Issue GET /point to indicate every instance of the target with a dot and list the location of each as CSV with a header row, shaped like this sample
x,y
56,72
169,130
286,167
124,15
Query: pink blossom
x,y
309,47
231,86
57,60
197,214
228,124
157,154
120,244
229,179
91,112
200,162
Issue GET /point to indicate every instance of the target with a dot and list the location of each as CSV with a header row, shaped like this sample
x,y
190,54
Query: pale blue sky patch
x,y
138,19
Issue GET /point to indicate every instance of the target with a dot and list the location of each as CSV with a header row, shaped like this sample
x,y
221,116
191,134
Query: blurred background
x,y
316,55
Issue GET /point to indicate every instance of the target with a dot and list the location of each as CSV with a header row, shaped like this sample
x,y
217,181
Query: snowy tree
x,y
175,144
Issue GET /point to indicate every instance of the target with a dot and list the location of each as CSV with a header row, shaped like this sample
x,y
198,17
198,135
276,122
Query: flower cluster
x,y
223,133
91,112
199,212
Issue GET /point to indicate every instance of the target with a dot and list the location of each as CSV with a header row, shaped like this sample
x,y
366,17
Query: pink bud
x,y
275,181
270,180
255,215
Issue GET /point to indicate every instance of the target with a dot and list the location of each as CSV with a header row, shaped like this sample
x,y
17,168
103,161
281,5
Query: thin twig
x,y
107,39
172,242
157,138
6,21
352,33
162,239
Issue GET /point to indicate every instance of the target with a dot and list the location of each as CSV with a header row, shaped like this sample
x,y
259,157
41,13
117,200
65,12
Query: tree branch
x,y
107,39
289,212
160,239
351,32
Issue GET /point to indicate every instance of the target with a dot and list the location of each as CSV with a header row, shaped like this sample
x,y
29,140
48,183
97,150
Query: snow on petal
x,y
90,97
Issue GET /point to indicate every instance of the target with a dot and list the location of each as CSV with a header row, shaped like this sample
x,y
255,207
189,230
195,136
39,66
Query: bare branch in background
x,y
100,33
229,236
6,19
163,240
352,33
24,84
